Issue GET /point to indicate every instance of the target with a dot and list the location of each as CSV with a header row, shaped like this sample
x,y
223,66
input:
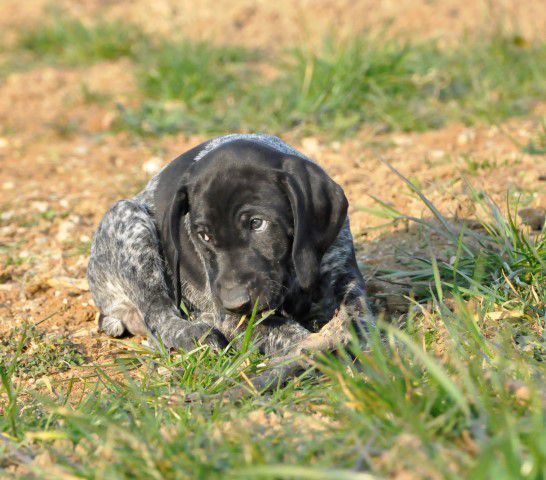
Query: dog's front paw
x,y
196,333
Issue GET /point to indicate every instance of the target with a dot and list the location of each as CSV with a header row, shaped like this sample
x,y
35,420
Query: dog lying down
x,y
238,221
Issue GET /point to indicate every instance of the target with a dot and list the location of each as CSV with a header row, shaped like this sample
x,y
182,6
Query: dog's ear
x,y
319,208
171,206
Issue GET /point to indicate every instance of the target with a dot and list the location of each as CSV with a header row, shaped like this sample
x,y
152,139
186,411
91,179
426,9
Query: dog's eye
x,y
203,236
258,224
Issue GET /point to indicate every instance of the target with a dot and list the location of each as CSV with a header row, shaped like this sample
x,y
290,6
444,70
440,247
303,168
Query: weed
x,y
33,353
498,260
190,87
70,41
473,166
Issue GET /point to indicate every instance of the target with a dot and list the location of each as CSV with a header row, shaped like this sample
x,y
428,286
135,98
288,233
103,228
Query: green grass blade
x,y
437,372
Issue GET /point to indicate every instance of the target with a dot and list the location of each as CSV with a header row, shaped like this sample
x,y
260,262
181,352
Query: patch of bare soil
x,y
61,166
274,25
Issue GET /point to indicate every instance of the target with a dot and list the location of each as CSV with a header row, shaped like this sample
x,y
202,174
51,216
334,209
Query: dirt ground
x,y
54,187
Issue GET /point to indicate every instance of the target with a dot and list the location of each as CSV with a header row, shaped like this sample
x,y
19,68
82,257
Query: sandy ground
x,y
54,189
272,25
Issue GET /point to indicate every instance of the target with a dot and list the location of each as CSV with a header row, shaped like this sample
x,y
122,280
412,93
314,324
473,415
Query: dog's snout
x,y
235,299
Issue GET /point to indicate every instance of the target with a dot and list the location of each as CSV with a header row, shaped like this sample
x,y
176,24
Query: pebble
x,y
7,215
84,333
465,136
310,145
81,150
152,165
437,154
402,141
40,206
66,228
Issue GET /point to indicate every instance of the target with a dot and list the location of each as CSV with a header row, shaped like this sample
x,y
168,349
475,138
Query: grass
x,y
70,41
392,84
29,353
188,86
493,257
453,389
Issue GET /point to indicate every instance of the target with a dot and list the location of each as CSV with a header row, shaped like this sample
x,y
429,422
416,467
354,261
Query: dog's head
x,y
259,223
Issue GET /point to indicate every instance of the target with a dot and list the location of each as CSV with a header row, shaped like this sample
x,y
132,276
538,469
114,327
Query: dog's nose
x,y
235,299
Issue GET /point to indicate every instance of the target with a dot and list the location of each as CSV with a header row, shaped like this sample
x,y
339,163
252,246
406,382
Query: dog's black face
x,y
258,223
241,223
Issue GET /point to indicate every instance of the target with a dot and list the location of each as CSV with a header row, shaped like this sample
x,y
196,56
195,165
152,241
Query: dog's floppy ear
x,y
171,206
319,208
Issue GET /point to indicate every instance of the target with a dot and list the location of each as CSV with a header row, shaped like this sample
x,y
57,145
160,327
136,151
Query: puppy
x,y
238,221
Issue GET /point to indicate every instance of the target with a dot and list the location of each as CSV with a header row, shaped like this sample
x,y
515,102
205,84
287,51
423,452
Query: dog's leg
x,y
127,279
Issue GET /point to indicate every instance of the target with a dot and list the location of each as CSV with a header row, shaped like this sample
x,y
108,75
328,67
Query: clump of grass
x,y
194,73
473,165
493,258
417,86
450,396
35,354
396,85
70,41
190,87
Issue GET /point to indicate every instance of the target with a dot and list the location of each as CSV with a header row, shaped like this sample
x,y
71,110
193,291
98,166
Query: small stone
x,y
437,154
66,228
465,136
402,141
152,165
81,150
7,215
84,333
310,145
42,207
3,143
8,185
533,217
74,284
